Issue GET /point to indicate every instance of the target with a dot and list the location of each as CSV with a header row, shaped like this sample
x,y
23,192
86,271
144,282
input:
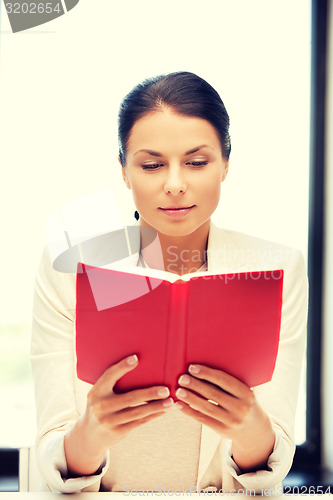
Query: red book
x,y
226,321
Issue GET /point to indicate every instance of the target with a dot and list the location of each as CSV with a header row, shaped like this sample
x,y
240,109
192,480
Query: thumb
x,y
109,378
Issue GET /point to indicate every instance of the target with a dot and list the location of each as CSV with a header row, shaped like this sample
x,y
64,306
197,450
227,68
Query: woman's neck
x,y
177,254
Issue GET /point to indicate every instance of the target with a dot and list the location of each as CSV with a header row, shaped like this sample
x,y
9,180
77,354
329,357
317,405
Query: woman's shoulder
x,y
52,282
243,250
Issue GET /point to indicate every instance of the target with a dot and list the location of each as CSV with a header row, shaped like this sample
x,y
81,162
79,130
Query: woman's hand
x,y
109,417
229,407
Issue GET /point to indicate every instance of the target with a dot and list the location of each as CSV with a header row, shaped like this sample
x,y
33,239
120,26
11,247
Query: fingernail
x,y
131,360
184,380
181,393
163,392
194,369
178,405
168,402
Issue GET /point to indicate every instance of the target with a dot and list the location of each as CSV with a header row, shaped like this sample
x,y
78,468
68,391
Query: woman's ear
x,y
124,174
225,170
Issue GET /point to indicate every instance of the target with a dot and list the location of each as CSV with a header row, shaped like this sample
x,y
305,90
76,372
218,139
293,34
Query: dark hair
x,y
184,92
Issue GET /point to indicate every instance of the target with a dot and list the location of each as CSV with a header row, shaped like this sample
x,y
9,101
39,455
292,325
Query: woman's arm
x,y
273,403
109,417
72,443
236,414
53,364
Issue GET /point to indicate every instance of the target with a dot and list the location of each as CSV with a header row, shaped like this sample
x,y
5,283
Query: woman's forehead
x,y
163,128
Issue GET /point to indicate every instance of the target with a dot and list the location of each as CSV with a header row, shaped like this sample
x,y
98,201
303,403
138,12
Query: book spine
x,y
176,346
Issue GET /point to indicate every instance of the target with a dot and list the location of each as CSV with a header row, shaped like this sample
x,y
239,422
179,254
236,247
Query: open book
x,y
226,321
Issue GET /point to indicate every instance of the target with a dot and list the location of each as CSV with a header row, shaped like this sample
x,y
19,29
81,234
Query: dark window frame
x,y
307,469
309,453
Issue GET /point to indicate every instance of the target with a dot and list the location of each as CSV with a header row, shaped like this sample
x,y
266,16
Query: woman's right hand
x,y
109,417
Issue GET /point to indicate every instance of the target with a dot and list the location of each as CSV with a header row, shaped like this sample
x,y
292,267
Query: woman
x,y
174,154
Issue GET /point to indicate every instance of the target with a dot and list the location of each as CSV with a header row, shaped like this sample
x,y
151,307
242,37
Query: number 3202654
x,y
32,8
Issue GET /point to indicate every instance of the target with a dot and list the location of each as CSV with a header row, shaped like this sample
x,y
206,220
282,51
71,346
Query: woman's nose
x,y
175,182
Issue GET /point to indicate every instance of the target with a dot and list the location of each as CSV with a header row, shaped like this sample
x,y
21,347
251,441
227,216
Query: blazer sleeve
x,y
279,396
53,364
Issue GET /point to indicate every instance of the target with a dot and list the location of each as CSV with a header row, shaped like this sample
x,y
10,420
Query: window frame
x,y
309,453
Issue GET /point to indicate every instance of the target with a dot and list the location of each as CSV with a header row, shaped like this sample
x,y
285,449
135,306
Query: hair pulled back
x,y
185,93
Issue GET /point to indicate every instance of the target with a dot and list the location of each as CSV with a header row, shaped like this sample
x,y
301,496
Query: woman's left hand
x,y
229,407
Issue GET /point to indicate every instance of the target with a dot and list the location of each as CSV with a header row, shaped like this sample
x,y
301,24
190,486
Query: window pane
x,y
59,131
17,416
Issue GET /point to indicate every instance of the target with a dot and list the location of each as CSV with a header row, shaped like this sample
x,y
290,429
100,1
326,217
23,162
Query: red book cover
x,y
227,321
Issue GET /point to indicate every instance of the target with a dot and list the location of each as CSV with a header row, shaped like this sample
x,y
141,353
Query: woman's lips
x,y
177,211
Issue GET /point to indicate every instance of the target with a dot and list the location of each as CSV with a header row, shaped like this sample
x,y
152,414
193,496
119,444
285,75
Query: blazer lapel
x,y
222,254
209,442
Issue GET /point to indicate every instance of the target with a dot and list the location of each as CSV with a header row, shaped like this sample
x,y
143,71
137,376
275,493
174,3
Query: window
x,y
60,139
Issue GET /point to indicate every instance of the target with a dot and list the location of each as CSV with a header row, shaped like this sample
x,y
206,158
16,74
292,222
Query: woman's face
x,y
174,167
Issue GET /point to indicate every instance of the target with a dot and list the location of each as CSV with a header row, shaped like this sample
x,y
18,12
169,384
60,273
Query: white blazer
x,y
61,397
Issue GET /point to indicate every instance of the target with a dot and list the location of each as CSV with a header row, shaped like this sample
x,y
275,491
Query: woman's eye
x,y
152,166
197,163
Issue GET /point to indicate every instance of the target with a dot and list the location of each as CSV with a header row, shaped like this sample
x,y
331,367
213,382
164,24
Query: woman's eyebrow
x,y
155,153
198,148
152,153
